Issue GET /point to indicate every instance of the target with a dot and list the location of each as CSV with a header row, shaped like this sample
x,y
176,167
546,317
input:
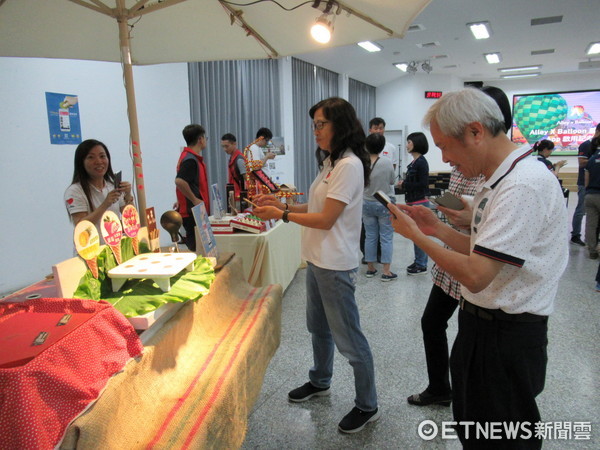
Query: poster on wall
x,y
565,118
63,118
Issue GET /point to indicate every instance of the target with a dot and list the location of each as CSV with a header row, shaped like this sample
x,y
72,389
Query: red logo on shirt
x,y
70,201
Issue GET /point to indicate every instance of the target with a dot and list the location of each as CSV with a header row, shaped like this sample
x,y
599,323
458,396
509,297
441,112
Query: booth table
x,y
272,257
197,380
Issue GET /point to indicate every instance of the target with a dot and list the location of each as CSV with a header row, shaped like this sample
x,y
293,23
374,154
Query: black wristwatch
x,y
285,216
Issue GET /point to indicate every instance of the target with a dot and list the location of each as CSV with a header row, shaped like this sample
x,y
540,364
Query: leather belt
x,y
498,314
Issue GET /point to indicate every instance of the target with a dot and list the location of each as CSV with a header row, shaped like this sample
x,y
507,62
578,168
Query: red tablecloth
x,y
44,387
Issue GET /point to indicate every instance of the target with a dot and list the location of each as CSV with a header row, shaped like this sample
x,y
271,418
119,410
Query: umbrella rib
x,y
249,30
100,7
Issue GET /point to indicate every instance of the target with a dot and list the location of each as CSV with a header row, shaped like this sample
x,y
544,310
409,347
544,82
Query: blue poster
x,y
63,118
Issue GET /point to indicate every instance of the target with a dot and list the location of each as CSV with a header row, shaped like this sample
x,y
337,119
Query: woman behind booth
x,y
416,189
93,191
376,217
544,148
330,245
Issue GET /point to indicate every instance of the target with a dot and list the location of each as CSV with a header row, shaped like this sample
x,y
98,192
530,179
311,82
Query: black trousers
x,y
189,225
498,368
434,323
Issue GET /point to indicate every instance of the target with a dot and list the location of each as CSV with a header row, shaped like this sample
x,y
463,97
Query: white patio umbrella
x,y
138,32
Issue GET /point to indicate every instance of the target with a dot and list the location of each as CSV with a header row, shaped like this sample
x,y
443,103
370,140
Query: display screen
x,y
565,118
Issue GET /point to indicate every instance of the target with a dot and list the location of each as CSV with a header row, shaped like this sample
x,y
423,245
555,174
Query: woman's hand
x,y
268,200
125,187
267,212
409,220
111,198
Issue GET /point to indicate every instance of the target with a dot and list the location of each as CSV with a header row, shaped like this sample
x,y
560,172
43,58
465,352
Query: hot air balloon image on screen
x,y
567,118
537,115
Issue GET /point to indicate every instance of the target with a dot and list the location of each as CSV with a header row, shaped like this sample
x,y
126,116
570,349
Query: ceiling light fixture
x,y
481,30
401,66
593,48
370,46
493,58
322,29
426,67
412,67
519,69
521,75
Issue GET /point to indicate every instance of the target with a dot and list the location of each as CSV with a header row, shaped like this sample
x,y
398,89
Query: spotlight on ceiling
x,y
426,67
322,29
481,30
412,67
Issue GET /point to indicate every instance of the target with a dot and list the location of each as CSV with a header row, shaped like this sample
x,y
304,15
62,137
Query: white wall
x,y
401,102
35,231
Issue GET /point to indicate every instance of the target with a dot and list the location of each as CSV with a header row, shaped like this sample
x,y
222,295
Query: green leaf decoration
x,y
140,296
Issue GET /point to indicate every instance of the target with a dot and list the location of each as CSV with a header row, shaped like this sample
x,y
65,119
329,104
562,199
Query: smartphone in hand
x,y
382,198
118,179
449,201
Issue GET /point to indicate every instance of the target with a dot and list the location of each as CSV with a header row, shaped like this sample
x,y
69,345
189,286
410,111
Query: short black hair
x,y
419,140
375,143
192,133
264,132
376,121
228,137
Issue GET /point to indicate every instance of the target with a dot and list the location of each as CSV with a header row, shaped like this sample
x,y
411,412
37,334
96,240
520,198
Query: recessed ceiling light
x,y
521,75
481,30
369,46
593,48
402,66
519,69
492,58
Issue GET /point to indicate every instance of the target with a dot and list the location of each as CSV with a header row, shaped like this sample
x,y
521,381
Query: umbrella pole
x,y
138,181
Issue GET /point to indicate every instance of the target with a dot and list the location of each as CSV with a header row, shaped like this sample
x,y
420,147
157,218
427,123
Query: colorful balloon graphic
x,y
537,115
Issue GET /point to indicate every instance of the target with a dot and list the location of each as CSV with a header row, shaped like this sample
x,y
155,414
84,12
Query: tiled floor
x,y
390,317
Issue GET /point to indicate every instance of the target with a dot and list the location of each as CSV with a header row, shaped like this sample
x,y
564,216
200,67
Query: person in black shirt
x,y
592,199
416,188
544,149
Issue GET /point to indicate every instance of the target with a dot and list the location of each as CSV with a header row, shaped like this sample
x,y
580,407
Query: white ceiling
x,y
444,22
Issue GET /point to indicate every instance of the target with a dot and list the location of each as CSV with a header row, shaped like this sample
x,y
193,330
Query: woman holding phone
x,y
416,188
92,191
330,245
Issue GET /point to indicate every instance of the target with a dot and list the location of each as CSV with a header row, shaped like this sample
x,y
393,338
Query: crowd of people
x,y
492,263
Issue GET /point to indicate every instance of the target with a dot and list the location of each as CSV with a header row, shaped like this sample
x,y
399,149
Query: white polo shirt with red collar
x,y
520,219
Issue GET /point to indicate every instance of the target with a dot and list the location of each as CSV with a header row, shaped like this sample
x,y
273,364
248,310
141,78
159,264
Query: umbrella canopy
x,y
137,32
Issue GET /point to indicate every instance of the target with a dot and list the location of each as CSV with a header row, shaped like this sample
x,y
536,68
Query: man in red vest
x,y
191,181
236,167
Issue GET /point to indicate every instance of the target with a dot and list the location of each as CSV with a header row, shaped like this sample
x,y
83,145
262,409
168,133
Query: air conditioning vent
x,y
546,20
589,65
416,27
428,45
542,52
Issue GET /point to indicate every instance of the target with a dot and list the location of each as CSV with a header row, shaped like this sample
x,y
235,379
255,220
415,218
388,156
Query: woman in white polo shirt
x,y
92,191
330,245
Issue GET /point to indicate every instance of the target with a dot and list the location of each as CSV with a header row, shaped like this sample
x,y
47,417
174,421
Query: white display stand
x,y
159,267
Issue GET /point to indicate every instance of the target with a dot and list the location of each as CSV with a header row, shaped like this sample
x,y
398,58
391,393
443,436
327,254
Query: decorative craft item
x,y
87,244
153,232
112,233
131,226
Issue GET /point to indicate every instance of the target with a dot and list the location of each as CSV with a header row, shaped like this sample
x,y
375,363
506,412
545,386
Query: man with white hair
x,y
508,268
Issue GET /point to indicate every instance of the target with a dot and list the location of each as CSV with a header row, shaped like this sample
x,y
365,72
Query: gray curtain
x,y
310,85
236,97
362,97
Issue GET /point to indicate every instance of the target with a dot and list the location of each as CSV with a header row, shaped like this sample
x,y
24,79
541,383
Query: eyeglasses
x,y
319,124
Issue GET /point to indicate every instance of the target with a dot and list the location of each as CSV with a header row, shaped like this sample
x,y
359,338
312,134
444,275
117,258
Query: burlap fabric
x,y
198,378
